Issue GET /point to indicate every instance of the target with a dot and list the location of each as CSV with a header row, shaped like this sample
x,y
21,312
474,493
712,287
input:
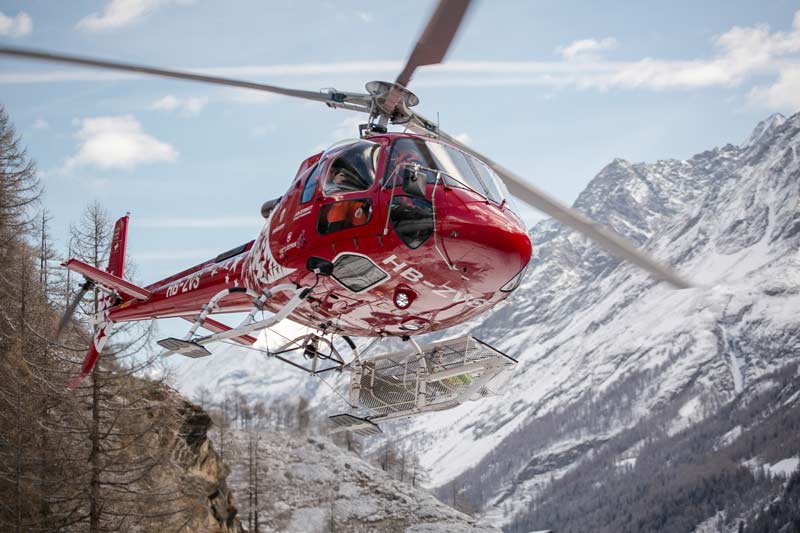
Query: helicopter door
x,y
407,192
345,204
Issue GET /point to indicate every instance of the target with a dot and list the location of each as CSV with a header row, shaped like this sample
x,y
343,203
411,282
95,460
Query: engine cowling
x,y
268,206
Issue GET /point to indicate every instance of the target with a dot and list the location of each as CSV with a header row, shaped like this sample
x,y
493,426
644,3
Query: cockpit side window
x,y
311,184
353,169
412,219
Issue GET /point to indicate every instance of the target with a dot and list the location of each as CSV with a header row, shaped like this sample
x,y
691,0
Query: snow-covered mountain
x,y
602,347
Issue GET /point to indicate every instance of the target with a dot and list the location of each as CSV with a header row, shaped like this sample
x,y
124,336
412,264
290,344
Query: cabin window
x,y
353,169
357,273
344,215
311,185
411,219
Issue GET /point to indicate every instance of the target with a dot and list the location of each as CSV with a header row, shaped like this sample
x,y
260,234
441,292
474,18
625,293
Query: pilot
x,y
339,179
339,182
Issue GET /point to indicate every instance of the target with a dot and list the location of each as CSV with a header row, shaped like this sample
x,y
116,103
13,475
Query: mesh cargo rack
x,y
438,376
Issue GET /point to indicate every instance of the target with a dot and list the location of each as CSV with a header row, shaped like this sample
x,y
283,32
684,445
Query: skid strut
x,y
192,346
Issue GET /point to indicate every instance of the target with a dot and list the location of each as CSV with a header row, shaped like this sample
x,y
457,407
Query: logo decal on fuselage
x,y
443,290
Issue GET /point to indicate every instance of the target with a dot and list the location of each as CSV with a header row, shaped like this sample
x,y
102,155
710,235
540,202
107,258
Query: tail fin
x,y
116,257
116,269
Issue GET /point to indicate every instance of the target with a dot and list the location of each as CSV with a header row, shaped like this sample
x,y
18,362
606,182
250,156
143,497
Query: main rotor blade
x,y
330,98
435,40
570,217
70,310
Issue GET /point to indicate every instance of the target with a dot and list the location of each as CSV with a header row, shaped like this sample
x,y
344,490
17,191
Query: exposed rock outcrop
x,y
207,473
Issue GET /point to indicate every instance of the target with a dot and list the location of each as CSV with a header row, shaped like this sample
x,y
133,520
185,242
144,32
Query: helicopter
x,y
391,234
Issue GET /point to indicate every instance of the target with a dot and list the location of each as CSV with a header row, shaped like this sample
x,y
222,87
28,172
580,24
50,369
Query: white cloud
x,y
346,129
194,104
168,103
463,138
117,142
41,124
187,106
783,94
17,26
364,16
585,49
119,13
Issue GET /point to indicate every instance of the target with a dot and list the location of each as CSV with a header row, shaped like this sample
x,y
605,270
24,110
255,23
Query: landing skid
x,y
192,346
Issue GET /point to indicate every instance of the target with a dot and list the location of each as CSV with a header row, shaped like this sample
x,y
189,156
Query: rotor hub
x,y
392,101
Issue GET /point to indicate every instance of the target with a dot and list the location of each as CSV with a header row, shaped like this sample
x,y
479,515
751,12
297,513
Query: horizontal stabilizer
x,y
187,348
218,327
108,280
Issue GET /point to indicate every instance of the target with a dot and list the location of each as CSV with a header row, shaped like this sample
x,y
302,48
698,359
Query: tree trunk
x,y
94,459
94,434
255,482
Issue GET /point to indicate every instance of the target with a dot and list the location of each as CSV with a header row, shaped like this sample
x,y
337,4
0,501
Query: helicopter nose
x,y
486,242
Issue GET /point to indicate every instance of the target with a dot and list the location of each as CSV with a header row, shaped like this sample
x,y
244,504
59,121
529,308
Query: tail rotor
x,y
69,312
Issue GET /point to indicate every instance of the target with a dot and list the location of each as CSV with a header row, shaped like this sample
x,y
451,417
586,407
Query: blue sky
x,y
554,90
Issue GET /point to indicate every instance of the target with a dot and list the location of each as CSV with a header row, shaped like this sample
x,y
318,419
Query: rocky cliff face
x,y
206,473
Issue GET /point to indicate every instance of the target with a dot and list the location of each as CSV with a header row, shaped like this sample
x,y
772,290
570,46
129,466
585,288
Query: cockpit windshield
x,y
458,168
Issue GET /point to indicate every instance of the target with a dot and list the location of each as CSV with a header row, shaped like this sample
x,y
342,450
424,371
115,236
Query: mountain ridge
x,y
742,251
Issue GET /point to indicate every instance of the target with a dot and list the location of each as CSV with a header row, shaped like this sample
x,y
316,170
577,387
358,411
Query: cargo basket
x,y
438,376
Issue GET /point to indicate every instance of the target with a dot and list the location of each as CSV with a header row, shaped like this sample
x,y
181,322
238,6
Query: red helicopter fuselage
x,y
419,234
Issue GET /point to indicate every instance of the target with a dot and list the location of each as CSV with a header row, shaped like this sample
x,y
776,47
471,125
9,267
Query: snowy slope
x,y
307,484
